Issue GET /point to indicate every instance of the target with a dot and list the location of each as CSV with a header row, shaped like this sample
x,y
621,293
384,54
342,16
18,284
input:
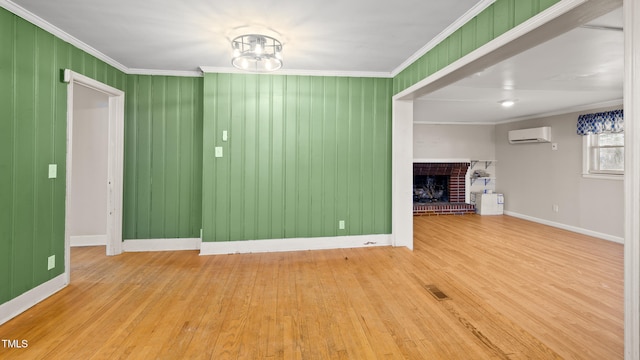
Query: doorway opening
x,y
94,169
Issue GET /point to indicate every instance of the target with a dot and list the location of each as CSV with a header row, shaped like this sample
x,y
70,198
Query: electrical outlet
x,y
225,135
555,208
51,262
341,224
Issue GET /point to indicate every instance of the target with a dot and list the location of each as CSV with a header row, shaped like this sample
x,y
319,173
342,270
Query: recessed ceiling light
x,y
507,103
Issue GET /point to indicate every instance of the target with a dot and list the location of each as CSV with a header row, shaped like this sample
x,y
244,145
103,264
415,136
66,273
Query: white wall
x,y
534,177
453,141
458,142
88,224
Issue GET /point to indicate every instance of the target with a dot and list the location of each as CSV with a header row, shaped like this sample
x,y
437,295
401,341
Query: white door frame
x,y
115,162
631,10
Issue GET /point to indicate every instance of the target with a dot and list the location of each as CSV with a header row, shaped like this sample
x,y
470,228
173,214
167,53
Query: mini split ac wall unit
x,y
533,135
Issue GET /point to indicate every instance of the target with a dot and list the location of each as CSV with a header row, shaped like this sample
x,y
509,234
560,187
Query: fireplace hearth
x,y
439,188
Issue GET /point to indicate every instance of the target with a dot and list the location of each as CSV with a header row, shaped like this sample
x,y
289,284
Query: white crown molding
x,y
465,18
360,74
588,107
422,160
423,122
47,26
183,73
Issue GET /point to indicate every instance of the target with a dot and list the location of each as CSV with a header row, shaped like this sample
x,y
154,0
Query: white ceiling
x,y
580,69
364,36
356,37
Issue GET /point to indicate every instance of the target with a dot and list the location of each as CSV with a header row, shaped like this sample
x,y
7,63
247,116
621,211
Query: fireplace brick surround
x,y
457,183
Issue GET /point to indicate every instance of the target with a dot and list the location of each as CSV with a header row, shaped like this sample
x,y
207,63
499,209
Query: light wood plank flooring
x,y
517,290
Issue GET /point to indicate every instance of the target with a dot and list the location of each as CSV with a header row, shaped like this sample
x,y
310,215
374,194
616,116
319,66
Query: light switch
x,y
225,135
53,171
218,151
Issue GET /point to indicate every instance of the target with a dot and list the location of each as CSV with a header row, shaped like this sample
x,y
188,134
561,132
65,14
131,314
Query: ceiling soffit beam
x,y
558,19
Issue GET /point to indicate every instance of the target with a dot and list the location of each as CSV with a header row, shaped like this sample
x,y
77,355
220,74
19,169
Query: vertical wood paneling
x,y
343,101
367,149
503,17
305,165
158,156
129,224
249,174
277,161
495,20
330,155
235,155
7,120
264,158
291,157
382,159
33,135
303,153
44,146
163,158
25,161
62,60
356,104
209,206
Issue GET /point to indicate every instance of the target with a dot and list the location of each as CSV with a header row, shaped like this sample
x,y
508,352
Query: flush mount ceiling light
x,y
257,53
507,103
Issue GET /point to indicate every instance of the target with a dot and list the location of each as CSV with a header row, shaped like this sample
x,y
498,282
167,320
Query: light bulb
x,y
267,65
258,49
507,103
244,63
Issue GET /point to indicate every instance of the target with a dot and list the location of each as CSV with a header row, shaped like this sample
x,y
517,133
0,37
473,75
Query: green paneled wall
x,y
33,135
303,153
495,20
163,157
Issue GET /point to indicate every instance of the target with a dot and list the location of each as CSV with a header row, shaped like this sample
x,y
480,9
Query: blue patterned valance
x,y
598,123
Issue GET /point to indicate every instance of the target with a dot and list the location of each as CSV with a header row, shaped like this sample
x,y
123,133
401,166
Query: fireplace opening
x,y
430,188
439,188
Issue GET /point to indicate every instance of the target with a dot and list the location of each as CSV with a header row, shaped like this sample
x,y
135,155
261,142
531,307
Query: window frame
x,y
587,171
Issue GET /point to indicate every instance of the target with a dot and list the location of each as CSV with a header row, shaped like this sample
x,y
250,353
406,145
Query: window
x,y
604,154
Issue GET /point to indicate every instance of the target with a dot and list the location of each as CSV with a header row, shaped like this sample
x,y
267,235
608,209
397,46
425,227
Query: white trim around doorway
x,y
115,162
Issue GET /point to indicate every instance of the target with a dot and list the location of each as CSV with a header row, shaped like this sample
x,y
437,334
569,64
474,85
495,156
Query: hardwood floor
x,y
517,290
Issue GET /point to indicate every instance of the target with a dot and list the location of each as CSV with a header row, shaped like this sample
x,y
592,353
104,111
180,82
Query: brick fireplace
x,y
453,188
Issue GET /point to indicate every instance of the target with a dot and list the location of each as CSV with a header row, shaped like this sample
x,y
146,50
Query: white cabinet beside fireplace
x,y
488,203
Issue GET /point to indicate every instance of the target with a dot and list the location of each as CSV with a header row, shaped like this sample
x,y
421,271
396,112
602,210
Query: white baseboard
x,y
88,240
15,307
293,244
141,245
575,229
